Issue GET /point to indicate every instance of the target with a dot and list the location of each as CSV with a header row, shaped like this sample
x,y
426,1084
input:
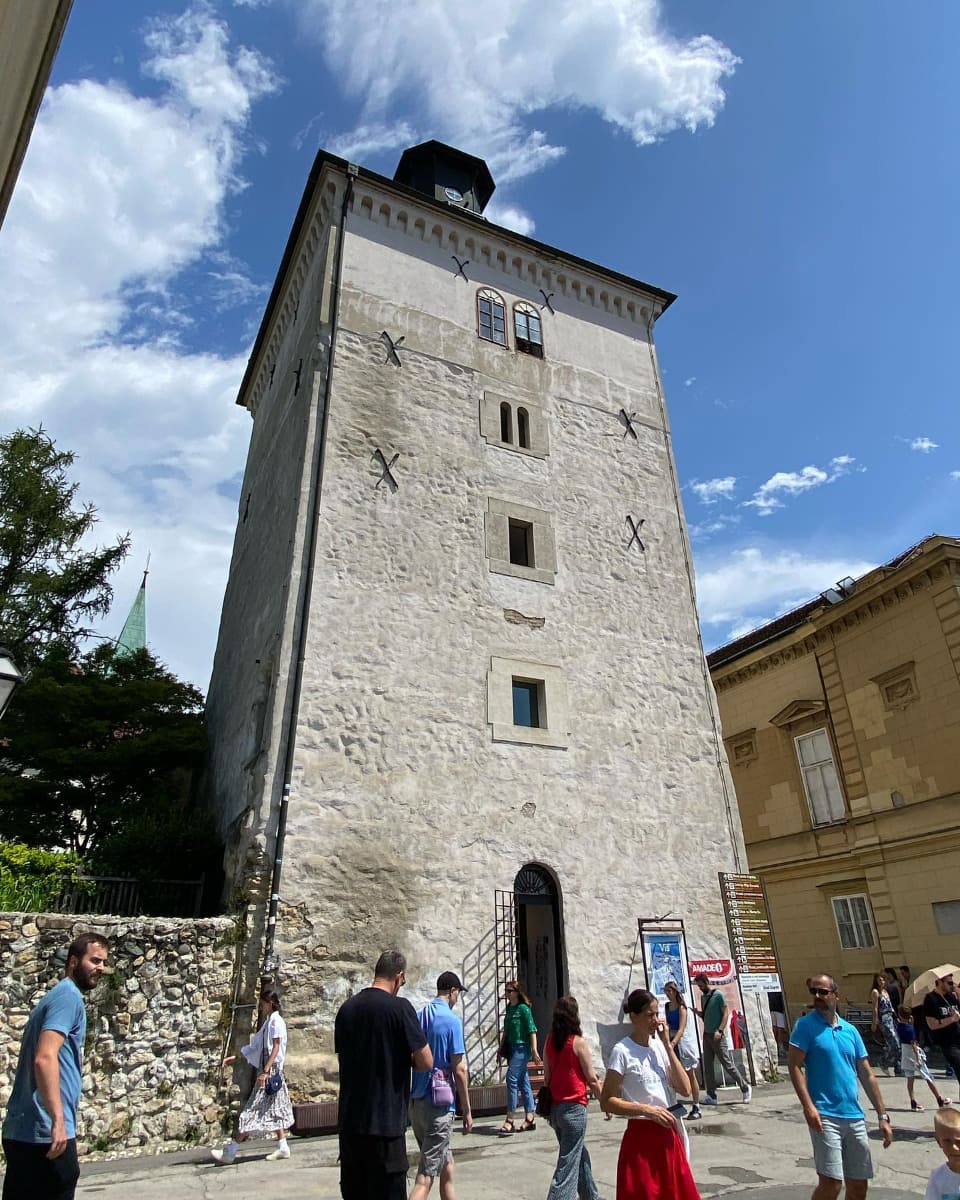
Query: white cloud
x,y
751,586
955,475
709,491
703,530
510,217
923,444
91,324
374,138
769,496
690,382
479,84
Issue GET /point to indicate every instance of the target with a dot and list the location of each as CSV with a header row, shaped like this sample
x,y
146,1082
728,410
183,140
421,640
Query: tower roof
x,y
446,173
133,635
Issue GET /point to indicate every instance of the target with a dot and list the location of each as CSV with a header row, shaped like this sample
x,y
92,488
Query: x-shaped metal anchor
x,y
392,346
460,266
387,473
635,527
628,419
547,299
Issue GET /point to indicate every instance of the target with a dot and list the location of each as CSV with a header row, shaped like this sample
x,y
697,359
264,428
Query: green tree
x,y
94,743
51,583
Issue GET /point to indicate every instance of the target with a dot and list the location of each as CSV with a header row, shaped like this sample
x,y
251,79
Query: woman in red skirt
x,y
643,1076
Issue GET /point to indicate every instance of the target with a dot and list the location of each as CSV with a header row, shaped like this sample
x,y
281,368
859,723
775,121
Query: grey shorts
x,y
689,1059
842,1151
433,1127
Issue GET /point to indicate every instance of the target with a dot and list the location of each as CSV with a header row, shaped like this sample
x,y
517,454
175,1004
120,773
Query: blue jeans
x,y
517,1078
574,1174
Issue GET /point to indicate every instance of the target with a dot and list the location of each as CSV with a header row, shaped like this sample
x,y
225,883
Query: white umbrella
x,y
924,983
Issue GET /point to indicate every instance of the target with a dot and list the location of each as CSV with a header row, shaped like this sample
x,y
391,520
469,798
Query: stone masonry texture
x,y
156,1024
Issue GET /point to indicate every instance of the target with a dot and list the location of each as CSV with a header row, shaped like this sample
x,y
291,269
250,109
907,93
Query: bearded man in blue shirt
x,y
826,1058
40,1128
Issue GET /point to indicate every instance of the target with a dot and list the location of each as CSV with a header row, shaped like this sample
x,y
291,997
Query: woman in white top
x,y
266,1111
643,1077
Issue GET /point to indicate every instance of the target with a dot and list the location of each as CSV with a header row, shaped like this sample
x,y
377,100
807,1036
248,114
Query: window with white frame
x,y
820,780
854,922
491,316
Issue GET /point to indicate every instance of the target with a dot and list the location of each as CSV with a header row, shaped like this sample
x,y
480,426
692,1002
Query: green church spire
x,y
133,635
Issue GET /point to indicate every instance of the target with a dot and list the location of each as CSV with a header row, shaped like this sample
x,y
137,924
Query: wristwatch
x,y
883,1117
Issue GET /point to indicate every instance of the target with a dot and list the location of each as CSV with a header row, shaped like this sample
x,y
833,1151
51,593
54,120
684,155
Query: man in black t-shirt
x,y
943,1021
378,1039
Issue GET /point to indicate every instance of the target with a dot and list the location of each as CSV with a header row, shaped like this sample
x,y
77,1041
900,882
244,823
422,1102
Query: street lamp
x,y
10,678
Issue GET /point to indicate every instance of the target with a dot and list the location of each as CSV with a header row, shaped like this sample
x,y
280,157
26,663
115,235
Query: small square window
x,y
946,913
521,543
526,703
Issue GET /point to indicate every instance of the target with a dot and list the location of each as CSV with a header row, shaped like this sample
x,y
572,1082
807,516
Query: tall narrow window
x,y
526,703
523,428
528,330
854,926
820,780
521,543
491,317
506,423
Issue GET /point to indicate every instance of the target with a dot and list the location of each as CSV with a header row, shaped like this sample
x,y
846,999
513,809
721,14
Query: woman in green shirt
x,y
519,1046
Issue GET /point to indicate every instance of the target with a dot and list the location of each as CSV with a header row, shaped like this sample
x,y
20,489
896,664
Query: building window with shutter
x,y
528,330
491,316
854,922
820,781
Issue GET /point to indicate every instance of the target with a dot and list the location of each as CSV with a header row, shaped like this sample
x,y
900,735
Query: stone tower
x,y
459,667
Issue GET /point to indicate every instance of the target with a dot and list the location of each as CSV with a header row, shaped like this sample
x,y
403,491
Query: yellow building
x,y
842,723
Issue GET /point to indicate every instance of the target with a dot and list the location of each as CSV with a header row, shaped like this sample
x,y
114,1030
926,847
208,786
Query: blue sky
x,y
791,171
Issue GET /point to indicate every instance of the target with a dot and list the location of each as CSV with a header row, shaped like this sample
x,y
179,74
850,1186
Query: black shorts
x,y
32,1176
373,1168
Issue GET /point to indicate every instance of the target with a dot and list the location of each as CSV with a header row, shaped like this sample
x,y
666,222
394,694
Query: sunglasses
x,y
819,991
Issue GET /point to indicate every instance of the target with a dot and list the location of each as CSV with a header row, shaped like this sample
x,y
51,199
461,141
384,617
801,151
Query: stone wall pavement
x,y
155,1025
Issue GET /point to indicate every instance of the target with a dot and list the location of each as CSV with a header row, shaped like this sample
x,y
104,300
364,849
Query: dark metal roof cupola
x,y
447,174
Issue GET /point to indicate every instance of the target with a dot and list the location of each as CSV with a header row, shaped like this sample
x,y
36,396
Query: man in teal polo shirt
x,y
40,1129
826,1058
716,1017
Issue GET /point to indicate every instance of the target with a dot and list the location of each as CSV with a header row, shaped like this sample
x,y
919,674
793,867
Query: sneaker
x,y
221,1155
708,1100
280,1152
747,1092
695,1114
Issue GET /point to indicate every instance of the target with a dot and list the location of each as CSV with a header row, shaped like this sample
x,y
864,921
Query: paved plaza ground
x,y
759,1151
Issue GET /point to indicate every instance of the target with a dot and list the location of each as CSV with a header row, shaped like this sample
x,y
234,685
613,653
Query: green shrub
x,y
32,880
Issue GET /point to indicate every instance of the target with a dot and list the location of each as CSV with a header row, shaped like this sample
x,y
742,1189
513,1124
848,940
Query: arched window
x,y
523,428
528,330
506,423
491,317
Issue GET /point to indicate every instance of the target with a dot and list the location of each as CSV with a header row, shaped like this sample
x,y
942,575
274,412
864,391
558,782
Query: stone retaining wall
x,y
155,1025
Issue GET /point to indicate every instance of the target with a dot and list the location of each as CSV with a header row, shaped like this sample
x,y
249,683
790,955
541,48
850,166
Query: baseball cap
x,y
447,980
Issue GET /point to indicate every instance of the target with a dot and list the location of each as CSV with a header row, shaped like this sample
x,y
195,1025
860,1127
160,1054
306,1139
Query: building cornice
x,y
939,562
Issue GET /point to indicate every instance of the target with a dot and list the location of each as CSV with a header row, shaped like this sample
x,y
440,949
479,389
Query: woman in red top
x,y
568,1071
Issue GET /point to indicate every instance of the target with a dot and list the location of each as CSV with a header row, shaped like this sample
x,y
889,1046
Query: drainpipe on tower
x,y
306,588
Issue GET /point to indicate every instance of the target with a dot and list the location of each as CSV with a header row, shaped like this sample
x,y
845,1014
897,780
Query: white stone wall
x,y
406,814
155,1026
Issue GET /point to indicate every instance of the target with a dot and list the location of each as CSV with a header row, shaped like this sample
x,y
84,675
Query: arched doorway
x,y
541,955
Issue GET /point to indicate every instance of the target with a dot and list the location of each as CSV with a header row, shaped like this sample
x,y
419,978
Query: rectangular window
x,y
946,913
526,703
854,924
521,543
820,780
493,321
529,333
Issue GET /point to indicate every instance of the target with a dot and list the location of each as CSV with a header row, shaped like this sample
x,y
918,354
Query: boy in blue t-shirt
x,y
40,1128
